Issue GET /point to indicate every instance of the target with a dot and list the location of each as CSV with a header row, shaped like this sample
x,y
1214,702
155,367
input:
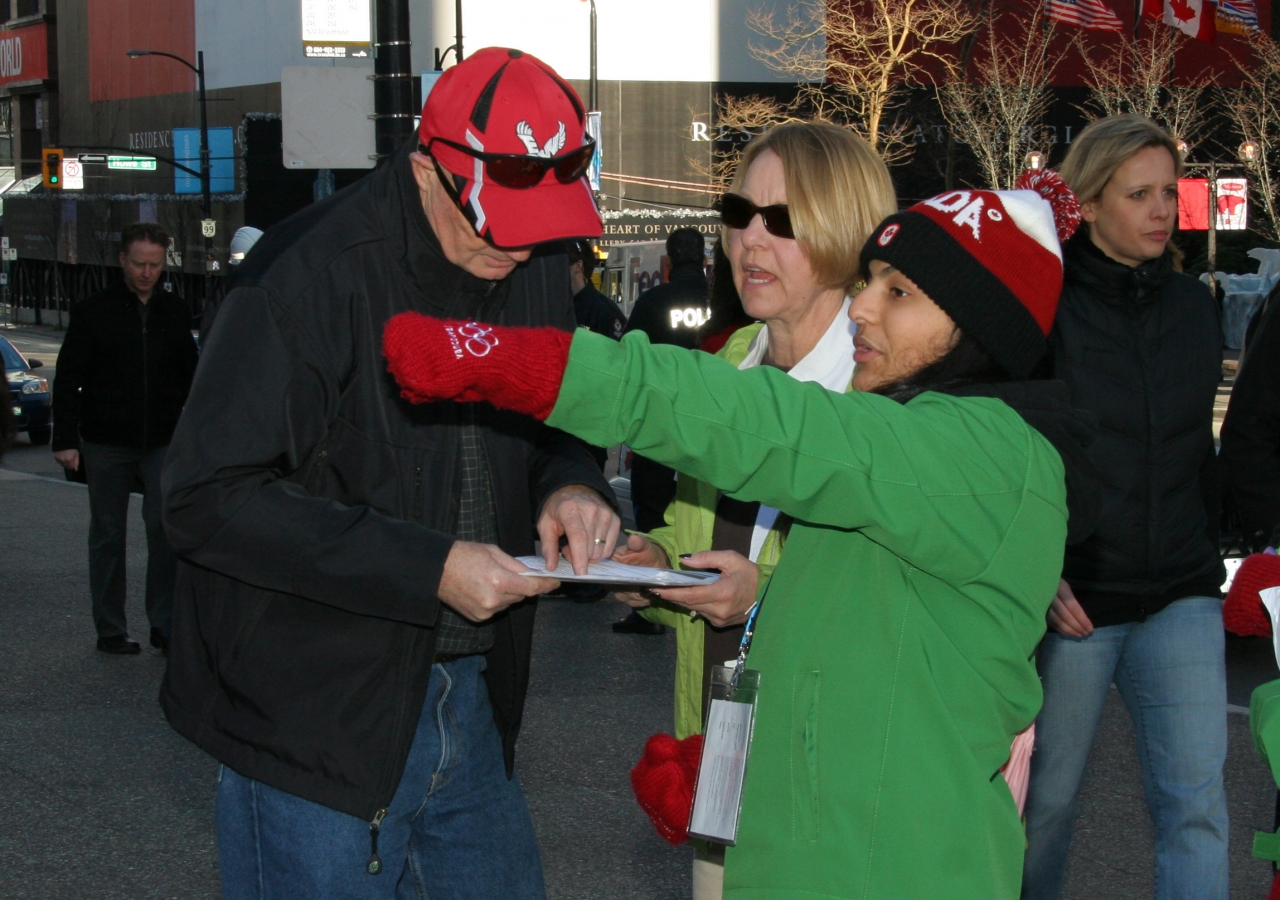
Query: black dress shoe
x,y
119,644
637,624
160,640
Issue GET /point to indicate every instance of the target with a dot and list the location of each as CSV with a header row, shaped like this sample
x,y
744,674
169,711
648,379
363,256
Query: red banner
x,y
24,54
118,26
1193,204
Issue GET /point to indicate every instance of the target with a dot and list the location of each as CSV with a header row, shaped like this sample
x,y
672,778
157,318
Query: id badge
x,y
726,744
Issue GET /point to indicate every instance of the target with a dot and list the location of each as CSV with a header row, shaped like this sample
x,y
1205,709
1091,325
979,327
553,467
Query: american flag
x,y
1091,14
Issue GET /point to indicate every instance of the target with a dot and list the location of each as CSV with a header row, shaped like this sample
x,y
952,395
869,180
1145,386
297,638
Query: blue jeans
x,y
1171,673
457,828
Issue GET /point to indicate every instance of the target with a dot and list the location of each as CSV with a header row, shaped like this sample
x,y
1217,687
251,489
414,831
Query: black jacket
x,y
686,293
595,311
312,507
1141,348
120,382
1046,407
1251,433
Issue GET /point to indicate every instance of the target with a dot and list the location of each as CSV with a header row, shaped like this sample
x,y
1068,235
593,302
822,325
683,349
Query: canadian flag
x,y
1194,18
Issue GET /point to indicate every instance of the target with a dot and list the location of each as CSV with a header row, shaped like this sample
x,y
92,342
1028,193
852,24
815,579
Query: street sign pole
x,y
205,169
393,110
206,174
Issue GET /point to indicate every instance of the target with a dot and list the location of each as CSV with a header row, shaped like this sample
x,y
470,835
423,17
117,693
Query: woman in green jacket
x,y
896,635
837,190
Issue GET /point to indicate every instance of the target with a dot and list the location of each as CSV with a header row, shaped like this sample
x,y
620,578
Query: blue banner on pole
x,y
222,160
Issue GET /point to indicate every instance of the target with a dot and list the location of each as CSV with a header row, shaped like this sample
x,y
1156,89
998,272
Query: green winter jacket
x,y
896,635
691,519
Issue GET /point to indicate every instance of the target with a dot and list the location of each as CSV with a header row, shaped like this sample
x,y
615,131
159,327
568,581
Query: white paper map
x,y
610,572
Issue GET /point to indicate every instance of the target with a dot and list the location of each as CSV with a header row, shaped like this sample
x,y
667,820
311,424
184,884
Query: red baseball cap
x,y
505,101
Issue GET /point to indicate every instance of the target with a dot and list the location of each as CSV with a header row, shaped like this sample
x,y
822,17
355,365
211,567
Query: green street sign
x,y
147,163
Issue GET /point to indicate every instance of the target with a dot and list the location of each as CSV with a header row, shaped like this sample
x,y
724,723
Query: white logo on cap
x,y
888,235
477,179
524,131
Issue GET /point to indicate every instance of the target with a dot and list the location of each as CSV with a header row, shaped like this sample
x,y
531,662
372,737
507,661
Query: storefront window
x,y
6,126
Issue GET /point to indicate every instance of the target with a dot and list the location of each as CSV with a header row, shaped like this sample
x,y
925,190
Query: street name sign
x,y
143,163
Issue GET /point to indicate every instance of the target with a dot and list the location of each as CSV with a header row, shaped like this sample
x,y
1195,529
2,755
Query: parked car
x,y
28,394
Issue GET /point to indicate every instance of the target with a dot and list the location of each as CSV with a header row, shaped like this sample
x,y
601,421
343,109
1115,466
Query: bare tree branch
x,y
856,59
1254,110
1139,79
999,110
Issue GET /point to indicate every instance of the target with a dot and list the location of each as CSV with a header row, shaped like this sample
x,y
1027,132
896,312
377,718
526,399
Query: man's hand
x,y
480,581
68,459
580,514
726,602
640,551
1066,615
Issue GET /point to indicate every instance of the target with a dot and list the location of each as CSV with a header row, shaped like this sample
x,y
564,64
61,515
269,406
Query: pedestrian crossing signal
x,y
51,171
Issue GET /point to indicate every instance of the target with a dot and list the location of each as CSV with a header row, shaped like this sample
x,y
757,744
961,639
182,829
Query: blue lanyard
x,y
744,647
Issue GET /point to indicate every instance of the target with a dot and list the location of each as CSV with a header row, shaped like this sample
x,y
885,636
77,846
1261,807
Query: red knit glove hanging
x,y
513,368
663,783
1243,612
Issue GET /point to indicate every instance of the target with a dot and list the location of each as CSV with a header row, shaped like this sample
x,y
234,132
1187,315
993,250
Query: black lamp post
x,y
205,168
593,101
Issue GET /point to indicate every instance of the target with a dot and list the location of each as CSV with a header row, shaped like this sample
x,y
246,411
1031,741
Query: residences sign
x,y
24,54
336,29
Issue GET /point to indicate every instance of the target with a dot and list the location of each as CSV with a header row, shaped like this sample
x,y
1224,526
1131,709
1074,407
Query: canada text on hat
x,y
991,259
506,101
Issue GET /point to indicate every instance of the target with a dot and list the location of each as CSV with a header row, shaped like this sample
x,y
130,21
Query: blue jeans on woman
x,y
457,828
1171,673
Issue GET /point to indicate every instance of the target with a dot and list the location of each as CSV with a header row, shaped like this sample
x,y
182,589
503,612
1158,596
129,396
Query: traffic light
x,y
51,168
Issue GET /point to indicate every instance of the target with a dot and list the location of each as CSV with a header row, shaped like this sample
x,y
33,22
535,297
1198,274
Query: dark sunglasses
x,y
737,212
514,170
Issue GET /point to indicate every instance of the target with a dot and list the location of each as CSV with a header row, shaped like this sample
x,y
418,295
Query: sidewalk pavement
x,y
100,799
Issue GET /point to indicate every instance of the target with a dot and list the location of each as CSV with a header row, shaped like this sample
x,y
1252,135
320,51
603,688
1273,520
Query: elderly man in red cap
x,y
351,633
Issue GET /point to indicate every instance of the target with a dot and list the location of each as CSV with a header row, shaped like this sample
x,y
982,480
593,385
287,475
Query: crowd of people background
x,y
955,461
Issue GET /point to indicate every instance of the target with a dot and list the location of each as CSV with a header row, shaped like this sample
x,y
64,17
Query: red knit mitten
x,y
513,368
1243,612
663,783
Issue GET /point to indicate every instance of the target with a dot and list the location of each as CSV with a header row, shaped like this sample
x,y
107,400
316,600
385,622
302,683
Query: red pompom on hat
x,y
663,782
509,102
991,259
1049,185
1242,611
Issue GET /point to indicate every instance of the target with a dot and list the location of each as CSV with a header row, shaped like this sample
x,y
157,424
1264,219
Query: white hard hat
x,y
242,243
